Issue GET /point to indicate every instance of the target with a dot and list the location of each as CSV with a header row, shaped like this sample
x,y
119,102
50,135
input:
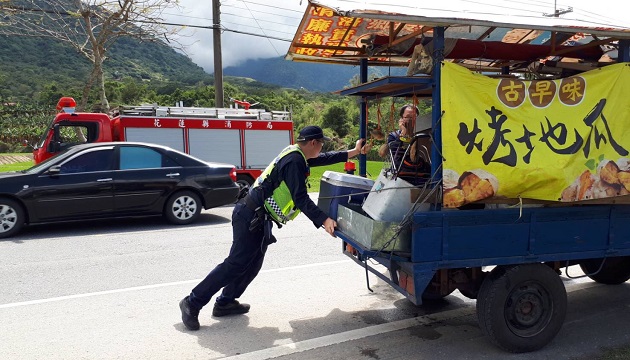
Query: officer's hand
x,y
329,225
366,148
359,145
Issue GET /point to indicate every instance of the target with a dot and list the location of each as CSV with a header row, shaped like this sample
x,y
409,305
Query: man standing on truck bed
x,y
278,195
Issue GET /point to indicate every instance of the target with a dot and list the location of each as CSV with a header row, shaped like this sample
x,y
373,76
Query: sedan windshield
x,y
44,164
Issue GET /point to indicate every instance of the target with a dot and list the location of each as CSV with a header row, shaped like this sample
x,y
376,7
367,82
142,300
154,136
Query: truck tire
x,y
12,217
183,207
614,270
244,182
521,308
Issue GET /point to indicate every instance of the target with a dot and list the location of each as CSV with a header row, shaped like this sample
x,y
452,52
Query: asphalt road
x,y
110,290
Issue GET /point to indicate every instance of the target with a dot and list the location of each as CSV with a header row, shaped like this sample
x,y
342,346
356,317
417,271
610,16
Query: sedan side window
x,y
100,160
132,157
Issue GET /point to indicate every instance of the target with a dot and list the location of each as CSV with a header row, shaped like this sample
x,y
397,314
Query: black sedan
x,y
117,179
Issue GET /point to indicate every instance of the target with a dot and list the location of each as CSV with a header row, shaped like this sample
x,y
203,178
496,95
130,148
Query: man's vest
x,y
280,204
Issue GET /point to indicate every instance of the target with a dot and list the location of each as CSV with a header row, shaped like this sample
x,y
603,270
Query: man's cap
x,y
312,133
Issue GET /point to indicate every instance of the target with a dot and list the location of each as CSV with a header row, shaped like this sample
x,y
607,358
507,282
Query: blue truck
x,y
507,253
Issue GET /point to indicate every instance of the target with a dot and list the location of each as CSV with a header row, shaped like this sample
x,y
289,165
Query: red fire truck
x,y
246,138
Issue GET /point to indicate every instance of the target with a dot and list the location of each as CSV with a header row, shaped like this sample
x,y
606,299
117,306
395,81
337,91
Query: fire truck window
x,y
139,158
100,160
72,135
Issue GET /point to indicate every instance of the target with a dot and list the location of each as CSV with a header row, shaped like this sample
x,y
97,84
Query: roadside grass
x,y
16,166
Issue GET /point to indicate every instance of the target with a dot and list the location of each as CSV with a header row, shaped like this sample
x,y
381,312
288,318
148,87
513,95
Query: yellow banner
x,y
557,140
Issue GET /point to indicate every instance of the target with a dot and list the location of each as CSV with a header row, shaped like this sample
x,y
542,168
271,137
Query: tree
x,y
89,26
336,118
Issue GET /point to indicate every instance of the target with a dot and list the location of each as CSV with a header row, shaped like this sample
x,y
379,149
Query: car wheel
x,y
183,208
11,218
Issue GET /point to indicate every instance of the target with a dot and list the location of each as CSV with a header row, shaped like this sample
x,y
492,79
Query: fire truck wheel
x,y
521,308
611,271
244,181
12,217
182,208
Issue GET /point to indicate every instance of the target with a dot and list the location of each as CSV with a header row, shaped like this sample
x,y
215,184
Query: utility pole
x,y
557,12
218,63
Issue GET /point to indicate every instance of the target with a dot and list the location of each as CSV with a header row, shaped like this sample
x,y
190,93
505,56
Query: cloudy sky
x,y
264,28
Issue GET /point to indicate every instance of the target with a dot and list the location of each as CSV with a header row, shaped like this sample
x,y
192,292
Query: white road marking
x,y
328,340
154,286
311,344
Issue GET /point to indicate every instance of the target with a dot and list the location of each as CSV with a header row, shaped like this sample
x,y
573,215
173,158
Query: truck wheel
x,y
182,208
244,182
12,217
521,308
614,271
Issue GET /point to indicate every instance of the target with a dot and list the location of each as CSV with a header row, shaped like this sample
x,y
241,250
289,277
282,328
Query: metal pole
x,y
363,117
623,54
218,63
436,107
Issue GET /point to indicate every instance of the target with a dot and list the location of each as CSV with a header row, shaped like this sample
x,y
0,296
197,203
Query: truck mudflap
x,y
408,278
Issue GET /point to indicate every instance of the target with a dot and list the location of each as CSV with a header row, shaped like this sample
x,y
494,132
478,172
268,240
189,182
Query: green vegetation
x,y
31,66
16,166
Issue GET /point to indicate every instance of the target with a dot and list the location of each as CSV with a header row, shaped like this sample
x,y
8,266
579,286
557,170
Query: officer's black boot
x,y
231,308
190,316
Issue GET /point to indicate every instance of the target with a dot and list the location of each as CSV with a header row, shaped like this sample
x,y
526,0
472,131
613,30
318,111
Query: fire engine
x,y
247,138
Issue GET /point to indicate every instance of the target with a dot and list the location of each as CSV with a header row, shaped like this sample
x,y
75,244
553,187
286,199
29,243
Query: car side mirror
x,y
54,170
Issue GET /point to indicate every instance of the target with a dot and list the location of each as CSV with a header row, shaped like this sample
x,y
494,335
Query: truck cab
x,y
70,128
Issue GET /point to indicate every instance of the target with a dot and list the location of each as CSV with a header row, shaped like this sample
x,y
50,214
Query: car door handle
x,y
105,180
172,175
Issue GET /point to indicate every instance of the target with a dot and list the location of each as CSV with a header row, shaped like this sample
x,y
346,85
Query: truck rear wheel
x,y
182,208
521,308
614,270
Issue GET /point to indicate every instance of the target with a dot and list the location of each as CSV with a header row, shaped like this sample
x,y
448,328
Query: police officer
x,y
278,195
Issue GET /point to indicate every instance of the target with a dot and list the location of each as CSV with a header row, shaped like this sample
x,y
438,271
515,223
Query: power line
x,y
271,6
212,27
253,18
270,43
265,12
250,26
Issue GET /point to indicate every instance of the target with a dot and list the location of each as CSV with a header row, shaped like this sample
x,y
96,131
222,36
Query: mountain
x,y
28,64
296,75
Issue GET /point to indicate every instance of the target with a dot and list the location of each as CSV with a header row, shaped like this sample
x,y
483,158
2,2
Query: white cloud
x,y
271,18
280,19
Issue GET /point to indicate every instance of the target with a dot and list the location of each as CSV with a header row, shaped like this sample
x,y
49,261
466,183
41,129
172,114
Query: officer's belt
x,y
259,209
